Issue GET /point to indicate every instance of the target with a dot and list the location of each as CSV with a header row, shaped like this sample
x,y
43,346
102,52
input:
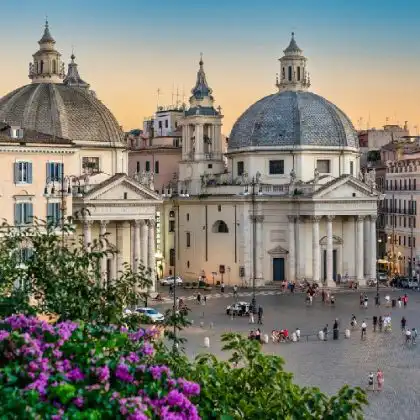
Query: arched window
x,y
289,71
298,73
41,70
220,227
36,66
54,66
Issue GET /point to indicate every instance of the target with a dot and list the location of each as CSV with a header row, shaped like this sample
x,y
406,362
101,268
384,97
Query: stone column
x,y
366,247
316,251
136,245
260,249
330,281
104,258
359,251
144,232
87,234
152,252
373,247
198,141
292,249
298,247
114,270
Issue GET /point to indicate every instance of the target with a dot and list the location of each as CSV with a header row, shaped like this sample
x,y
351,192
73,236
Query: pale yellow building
x,y
61,151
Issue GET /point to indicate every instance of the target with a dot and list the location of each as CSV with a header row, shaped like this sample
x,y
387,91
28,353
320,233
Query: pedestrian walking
x,y
413,335
371,382
403,323
198,298
332,300
381,323
377,302
222,288
235,291
364,327
204,299
260,314
323,296
375,322
353,321
292,287
407,336
399,301
405,301
365,301
325,330
380,379
297,334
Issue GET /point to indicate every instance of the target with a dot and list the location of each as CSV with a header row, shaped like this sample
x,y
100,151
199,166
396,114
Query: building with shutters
x,y
62,151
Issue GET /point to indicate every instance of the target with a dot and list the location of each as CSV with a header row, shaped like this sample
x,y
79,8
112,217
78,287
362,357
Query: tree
x,y
253,385
65,279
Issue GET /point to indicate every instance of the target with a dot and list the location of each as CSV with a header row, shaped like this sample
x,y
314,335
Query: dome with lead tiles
x,y
291,118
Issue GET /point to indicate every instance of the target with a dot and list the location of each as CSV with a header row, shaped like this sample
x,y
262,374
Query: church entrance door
x,y
278,269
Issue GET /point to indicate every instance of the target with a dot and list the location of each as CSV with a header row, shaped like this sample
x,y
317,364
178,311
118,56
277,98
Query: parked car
x,y
382,277
400,282
413,284
151,313
170,280
238,309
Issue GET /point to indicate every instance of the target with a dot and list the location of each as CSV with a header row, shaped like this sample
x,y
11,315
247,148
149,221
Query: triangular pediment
x,y
345,187
278,250
121,187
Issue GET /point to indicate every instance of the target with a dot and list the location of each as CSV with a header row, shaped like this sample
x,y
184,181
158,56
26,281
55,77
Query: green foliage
x,y
253,385
64,278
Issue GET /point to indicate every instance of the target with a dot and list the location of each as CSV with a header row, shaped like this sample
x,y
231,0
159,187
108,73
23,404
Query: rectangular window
x,y
409,184
166,123
26,253
409,241
323,166
53,213
23,172
414,184
138,167
90,165
55,171
240,168
352,168
188,238
414,241
147,165
276,167
160,124
23,213
171,225
157,167
404,241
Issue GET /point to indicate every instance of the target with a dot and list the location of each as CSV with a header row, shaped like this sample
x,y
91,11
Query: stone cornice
x,y
36,149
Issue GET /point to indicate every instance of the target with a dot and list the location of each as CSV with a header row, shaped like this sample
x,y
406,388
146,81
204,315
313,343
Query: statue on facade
x,y
360,176
316,176
258,177
292,176
245,178
31,68
151,180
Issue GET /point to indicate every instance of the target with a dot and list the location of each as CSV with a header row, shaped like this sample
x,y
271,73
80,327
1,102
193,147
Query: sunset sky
x,y
362,55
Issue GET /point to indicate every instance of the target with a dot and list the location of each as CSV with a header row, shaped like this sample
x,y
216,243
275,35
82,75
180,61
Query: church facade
x,y
62,153
289,203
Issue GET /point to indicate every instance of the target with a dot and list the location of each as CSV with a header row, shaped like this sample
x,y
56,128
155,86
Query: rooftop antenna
x,y
172,101
177,97
158,95
183,94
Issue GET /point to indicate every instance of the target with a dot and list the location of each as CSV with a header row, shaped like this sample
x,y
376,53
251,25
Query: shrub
x,y
85,371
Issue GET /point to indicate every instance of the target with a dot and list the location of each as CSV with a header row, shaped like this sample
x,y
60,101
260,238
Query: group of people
x,y
327,297
379,381
255,335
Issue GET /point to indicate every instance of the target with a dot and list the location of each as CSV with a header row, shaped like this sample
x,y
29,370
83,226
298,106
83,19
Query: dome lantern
x,y
46,66
293,74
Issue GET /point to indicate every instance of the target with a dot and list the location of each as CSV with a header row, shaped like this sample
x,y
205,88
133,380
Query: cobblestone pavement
x,y
331,364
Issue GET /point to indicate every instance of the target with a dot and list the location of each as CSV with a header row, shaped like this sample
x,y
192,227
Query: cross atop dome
x,y
293,74
201,88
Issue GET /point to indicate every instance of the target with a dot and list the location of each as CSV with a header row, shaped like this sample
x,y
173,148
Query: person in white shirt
x,y
364,327
297,334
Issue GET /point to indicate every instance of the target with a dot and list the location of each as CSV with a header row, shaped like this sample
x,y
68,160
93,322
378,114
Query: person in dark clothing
x,y
377,302
403,323
375,323
292,288
381,323
260,315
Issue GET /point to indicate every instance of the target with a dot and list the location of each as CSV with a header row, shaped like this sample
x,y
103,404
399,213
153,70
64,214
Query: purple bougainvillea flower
x,y
103,373
123,374
75,375
4,335
79,402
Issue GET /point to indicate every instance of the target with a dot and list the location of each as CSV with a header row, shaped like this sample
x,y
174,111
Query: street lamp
x,y
65,189
377,267
173,196
253,184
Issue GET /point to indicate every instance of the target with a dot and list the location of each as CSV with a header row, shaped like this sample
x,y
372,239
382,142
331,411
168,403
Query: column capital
x,y
88,223
330,217
373,217
137,223
360,218
152,222
316,219
104,223
292,219
258,218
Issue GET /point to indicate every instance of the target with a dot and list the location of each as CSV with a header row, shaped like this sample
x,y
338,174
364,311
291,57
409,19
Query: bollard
x,y
211,325
265,339
206,342
294,337
321,335
347,333
202,324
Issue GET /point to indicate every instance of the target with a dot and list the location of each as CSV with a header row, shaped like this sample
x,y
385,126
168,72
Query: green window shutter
x,y
16,172
18,214
29,174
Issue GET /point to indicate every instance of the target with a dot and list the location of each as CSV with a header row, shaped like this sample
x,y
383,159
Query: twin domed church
x,y
285,201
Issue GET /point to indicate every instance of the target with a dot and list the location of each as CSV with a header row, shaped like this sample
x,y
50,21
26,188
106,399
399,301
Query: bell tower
x,y
202,142
46,66
293,74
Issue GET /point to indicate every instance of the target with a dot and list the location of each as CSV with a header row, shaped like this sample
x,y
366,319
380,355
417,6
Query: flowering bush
x,y
83,371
